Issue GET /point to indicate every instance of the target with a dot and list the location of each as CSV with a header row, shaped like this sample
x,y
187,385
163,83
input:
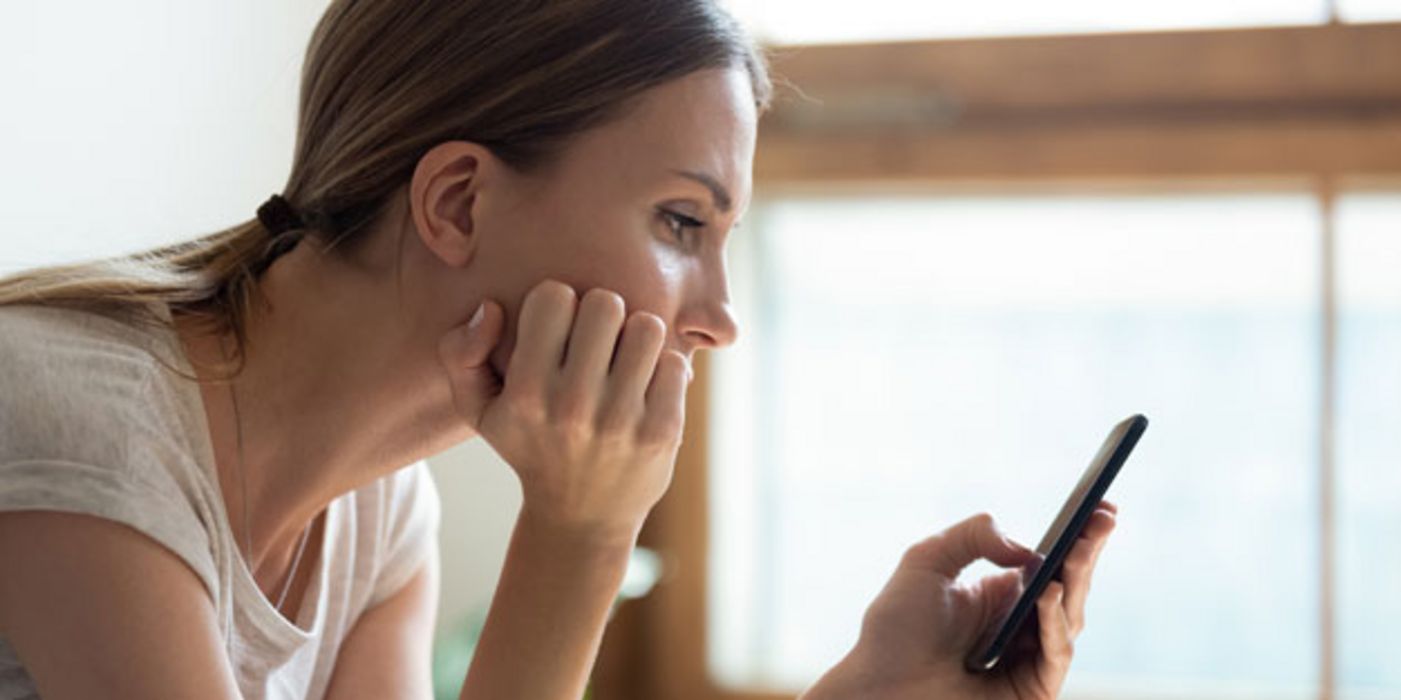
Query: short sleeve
x,y
411,513
88,426
113,494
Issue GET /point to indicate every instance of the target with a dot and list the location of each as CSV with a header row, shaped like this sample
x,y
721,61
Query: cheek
x,y
649,275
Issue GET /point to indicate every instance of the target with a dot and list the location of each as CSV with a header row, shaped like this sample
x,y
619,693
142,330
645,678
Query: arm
x,y
549,612
388,653
592,435
96,609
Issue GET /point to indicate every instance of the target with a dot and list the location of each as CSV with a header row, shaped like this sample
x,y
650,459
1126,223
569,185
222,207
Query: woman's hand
x,y
916,634
590,412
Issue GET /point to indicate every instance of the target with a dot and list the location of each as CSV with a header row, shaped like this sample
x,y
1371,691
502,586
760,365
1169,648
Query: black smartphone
x,y
994,641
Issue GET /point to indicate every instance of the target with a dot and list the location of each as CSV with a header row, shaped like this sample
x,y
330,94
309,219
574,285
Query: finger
x,y
592,338
465,354
948,552
643,336
666,398
1078,569
469,345
999,593
1106,505
1057,649
545,319
1101,523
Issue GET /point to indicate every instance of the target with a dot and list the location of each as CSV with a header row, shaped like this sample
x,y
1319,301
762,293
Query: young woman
x,y
504,219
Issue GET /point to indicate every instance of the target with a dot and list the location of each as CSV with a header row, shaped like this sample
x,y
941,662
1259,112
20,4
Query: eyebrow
x,y
722,198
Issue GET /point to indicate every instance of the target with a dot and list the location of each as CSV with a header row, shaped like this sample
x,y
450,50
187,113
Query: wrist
x,y
853,677
598,537
593,539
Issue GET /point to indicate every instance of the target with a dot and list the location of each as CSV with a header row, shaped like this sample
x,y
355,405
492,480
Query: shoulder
x,y
404,510
41,336
92,422
70,379
401,501
63,362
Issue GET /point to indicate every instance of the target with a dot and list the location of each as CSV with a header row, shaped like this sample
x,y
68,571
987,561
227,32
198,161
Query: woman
x,y
503,219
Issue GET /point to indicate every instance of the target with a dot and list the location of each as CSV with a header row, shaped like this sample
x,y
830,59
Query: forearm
x,y
547,618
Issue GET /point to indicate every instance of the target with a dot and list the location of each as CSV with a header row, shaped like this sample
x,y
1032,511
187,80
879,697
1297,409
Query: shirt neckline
x,y
309,619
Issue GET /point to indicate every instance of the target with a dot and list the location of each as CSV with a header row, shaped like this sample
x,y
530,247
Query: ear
x,y
443,194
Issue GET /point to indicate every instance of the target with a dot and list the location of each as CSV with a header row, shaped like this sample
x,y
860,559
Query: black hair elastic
x,y
279,216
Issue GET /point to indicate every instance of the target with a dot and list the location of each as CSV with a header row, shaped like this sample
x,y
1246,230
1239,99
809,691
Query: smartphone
x,y
1064,530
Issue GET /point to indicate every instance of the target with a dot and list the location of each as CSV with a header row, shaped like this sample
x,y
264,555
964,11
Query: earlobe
x,y
443,196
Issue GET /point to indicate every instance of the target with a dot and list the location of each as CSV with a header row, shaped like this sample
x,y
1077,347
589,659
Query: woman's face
x,y
617,212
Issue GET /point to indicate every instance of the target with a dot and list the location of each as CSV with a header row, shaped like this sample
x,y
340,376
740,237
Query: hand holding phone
x,y
1056,544
917,633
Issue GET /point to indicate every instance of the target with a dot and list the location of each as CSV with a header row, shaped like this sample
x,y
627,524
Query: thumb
x,y
948,552
464,352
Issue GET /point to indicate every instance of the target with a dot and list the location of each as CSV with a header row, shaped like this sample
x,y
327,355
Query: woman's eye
x,y
679,223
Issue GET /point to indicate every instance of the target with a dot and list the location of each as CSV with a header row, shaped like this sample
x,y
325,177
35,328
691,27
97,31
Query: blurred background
x,y
982,233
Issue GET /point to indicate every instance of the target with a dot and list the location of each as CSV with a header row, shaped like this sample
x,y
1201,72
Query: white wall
x,y
124,125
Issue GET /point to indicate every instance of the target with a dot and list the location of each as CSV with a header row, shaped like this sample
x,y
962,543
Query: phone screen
x,y
1057,542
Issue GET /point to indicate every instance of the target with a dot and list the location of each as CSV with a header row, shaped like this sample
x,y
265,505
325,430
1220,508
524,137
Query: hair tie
x,y
278,215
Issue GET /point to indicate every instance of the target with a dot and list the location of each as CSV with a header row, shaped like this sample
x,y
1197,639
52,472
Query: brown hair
x,y
386,80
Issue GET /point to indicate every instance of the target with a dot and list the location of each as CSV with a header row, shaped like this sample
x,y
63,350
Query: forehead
x,y
702,122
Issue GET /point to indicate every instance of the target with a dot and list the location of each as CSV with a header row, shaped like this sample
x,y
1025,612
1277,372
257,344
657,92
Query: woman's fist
x,y
590,412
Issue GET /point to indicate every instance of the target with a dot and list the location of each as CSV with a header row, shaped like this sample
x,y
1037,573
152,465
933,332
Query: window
x,y
1369,10
945,309
915,360
1369,442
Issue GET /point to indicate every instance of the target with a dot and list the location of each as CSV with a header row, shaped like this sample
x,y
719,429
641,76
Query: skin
x,y
554,314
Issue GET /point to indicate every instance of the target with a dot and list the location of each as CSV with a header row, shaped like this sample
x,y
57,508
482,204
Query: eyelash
x,y
679,223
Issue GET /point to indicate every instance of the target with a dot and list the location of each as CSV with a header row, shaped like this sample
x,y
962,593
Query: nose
x,y
705,319
708,326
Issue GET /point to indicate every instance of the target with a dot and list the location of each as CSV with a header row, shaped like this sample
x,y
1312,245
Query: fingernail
x,y
1017,545
477,317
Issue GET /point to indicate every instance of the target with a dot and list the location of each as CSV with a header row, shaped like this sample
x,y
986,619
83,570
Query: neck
x,y
339,388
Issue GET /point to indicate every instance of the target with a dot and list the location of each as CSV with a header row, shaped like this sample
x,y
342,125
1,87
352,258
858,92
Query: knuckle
x,y
570,411
671,366
913,553
1073,567
614,420
647,325
527,408
662,431
553,291
872,620
607,303
922,548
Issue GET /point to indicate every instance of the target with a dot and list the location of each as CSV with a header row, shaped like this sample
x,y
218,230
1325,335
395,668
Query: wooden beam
x,y
1334,64
1263,147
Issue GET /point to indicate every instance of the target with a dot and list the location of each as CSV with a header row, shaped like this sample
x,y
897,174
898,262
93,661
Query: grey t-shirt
x,y
91,422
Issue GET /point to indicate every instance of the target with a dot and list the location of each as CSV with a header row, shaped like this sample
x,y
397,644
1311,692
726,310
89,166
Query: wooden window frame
x,y
1319,103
